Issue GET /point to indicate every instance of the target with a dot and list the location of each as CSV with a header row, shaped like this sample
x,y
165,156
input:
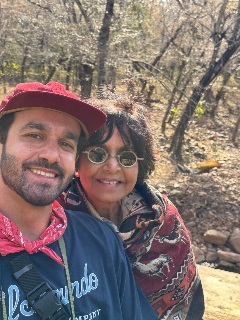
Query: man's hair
x,y
128,118
5,123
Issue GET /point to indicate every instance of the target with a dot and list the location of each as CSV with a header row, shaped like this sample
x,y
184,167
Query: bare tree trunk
x,y
54,68
50,74
86,78
170,101
178,136
212,72
111,78
86,17
103,46
25,55
235,131
69,7
220,95
4,79
174,92
180,96
69,68
159,56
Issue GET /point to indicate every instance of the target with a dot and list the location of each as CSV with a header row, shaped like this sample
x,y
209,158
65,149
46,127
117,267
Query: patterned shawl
x,y
158,246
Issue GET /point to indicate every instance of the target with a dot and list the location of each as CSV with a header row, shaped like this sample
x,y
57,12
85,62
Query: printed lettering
x,y
13,293
83,286
84,282
62,295
89,316
25,308
93,281
87,283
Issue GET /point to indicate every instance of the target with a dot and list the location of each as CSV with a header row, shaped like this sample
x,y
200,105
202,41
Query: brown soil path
x,y
221,292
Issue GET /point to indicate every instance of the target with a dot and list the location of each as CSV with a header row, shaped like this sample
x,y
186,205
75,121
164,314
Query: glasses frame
x,y
117,156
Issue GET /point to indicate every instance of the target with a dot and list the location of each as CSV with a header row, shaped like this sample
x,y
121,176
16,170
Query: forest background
x,y
179,58
180,53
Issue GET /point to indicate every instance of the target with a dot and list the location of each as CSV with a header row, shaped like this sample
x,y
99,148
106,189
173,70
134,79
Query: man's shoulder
x,y
81,221
93,234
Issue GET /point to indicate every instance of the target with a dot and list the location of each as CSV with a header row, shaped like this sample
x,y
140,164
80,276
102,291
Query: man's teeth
x,y
42,173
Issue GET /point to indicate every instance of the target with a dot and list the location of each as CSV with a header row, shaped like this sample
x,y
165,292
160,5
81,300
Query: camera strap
x,y
39,294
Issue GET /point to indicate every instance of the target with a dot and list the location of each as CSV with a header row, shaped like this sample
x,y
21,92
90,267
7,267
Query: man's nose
x,y
50,152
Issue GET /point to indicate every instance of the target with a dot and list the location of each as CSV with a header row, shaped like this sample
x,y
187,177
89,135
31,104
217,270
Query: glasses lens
x,y
97,155
127,158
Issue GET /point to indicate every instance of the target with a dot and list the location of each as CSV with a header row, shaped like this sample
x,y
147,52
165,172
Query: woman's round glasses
x,y
99,155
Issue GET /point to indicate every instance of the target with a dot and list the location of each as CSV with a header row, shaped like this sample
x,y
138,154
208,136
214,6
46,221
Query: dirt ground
x,y
221,292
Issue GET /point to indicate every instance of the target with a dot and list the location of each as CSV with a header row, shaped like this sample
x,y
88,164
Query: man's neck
x,y
34,226
32,221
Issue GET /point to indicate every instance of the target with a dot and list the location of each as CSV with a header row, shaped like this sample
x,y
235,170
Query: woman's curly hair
x,y
128,118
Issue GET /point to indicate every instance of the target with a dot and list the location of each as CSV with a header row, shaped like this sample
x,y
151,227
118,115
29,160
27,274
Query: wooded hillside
x,y
183,54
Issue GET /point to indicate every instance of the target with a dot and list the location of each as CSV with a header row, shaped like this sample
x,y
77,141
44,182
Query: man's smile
x,y
43,173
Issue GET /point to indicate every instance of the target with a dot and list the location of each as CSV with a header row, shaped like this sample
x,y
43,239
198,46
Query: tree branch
x,y
40,6
86,17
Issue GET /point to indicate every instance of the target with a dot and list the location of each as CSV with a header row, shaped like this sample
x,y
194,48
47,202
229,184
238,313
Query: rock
x,y
226,264
199,255
224,248
175,192
191,213
204,249
210,214
211,256
234,240
222,228
229,225
190,224
216,237
229,256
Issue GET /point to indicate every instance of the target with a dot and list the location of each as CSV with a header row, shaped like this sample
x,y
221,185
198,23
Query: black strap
x,y
39,294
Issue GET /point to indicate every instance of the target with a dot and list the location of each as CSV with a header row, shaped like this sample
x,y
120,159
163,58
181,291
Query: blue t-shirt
x,y
103,287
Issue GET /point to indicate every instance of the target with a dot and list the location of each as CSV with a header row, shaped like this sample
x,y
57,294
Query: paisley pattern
x,y
12,240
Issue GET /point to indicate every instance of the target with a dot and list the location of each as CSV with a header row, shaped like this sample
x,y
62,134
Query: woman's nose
x,y
111,164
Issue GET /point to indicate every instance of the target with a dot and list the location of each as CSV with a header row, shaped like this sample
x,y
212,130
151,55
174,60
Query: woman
x,y
112,172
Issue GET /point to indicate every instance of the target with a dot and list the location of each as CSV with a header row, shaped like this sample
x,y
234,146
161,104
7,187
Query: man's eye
x,y
67,145
34,135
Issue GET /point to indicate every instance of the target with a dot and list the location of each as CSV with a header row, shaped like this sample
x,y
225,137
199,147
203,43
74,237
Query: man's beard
x,y
34,193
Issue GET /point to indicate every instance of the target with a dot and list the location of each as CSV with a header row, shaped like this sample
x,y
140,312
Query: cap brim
x,y
89,117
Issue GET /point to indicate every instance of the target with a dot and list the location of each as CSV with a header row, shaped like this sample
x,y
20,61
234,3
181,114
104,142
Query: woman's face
x,y
107,183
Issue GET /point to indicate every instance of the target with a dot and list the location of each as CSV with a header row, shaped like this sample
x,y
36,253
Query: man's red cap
x,y
53,96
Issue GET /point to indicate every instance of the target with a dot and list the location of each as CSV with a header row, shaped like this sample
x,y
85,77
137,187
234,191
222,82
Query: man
x,y
76,256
